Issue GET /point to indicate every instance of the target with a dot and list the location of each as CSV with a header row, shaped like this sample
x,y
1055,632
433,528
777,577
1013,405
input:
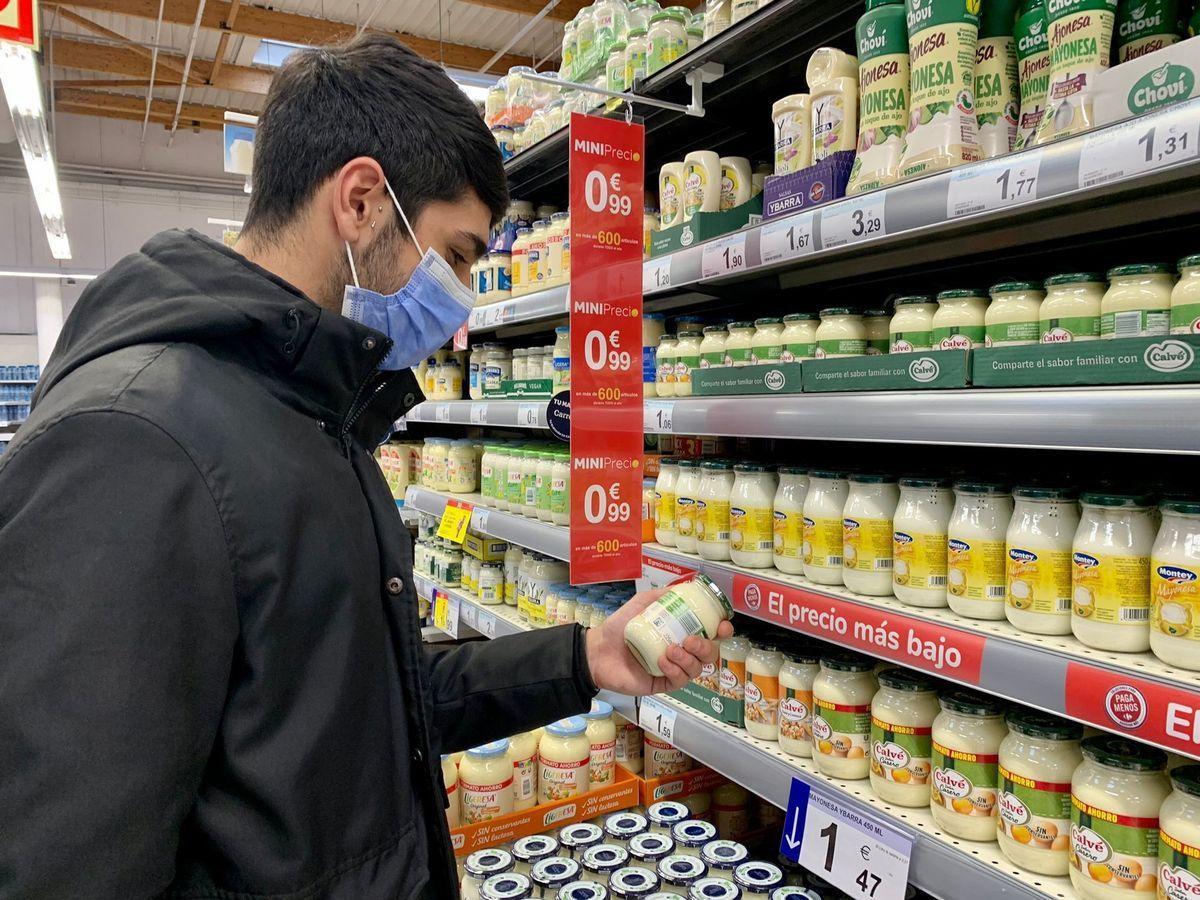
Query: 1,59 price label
x,y
786,238
993,185
851,221
1139,146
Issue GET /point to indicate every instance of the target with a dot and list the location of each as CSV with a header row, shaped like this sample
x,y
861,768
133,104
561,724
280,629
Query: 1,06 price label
x,y
1137,147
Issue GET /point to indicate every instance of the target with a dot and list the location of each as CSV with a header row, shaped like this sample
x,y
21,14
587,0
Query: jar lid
x,y
1187,779
651,846
870,478
839,311
581,833
825,473
960,293
768,320
655,317
741,324
681,870
668,812
919,481
554,871
487,751
1009,287
693,833
715,329
913,299
1187,507
717,465
636,32
906,680
788,891
605,857
583,890
792,470
625,824
601,709
1188,261
1036,492
508,886
1075,278
991,488
686,463
758,876
874,313
801,317
524,229
632,881
1140,269
971,703
1112,499
1110,750
669,13
535,846
665,337
1036,723
722,854
559,216
714,888
802,652
667,461
618,46
483,863
847,661
753,467
689,332
568,727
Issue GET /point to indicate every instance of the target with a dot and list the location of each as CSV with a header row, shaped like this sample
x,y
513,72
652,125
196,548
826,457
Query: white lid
x,y
482,863
633,881
649,845
534,847
582,890
554,871
693,832
681,870
667,812
580,834
724,854
605,857
625,824
758,876
509,886
714,888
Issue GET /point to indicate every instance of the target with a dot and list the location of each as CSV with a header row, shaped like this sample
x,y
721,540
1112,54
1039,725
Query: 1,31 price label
x,y
851,221
1138,146
723,256
993,185
787,238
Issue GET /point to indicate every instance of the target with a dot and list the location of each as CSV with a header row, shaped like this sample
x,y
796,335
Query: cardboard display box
x,y
768,378
921,370
704,226
1169,359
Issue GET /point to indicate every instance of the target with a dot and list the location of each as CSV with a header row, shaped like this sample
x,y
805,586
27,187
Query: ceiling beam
x,y
97,28
93,57
223,43
160,110
164,121
102,82
254,21
564,12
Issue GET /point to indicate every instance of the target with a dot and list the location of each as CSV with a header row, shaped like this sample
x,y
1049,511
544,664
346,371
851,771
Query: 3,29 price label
x,y
993,185
786,238
851,221
725,255
1138,146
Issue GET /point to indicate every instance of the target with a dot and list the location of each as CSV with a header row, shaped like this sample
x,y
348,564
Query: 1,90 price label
x,y
723,256
1138,146
851,221
787,238
993,185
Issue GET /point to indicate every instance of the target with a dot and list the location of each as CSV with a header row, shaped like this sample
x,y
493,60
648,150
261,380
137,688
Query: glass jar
x,y
475,372
545,486
1138,301
1038,564
529,851
757,880
717,15
667,37
497,367
494,103
687,358
731,678
692,834
519,261
824,505
561,360
712,347
560,489
600,861
620,828
480,866
1185,298
692,607
763,665
799,337
801,666
911,328
1116,796
629,747
664,497
687,493
919,541
535,361
966,747
664,381
875,322
450,783
514,556
1012,318
646,849
1110,572
633,883
695,37
522,755
723,856
575,839
902,714
520,364
766,346
841,333
975,537
536,270
841,727
738,344
462,468
501,278
602,737
519,95
436,463
661,760
640,13
564,758
1175,585
867,534
485,783
611,25
788,514
712,509
491,584
958,323
751,516
1179,834
1071,310
1037,759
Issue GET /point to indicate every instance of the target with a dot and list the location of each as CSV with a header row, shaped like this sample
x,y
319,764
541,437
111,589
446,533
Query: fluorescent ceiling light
x,y
23,91
228,223
49,273
273,53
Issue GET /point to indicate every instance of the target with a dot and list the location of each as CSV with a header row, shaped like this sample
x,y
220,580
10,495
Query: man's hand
x,y
614,668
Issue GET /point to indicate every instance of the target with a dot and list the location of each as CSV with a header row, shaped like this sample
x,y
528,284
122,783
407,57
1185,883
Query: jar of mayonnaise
x,y
462,473
564,758
665,815
555,872
600,861
497,366
693,607
841,727
1110,572
633,883
475,372
1185,297
762,689
1138,301
453,799
801,665
1037,759
529,851
712,509
561,360
712,347
867,534
757,880
678,873
687,493
788,508
692,834
480,866
1038,564
911,327
1013,316
520,261
958,323
739,344
1116,796
876,322
919,538
576,838
687,358
723,856
824,505
664,497
799,337
1179,835
602,738
1175,586
1071,310
902,714
751,522
545,486
485,783
767,344
841,333
731,675
560,489
646,849
664,382
975,585
966,754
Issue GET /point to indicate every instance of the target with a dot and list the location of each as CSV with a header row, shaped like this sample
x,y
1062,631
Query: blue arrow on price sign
x,y
793,823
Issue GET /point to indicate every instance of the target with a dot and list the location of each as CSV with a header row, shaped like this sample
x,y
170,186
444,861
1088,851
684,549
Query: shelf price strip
x,y
607,175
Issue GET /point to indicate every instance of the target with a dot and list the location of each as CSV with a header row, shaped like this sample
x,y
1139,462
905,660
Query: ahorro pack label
x,y
964,782
1109,848
841,730
1034,813
901,753
1178,868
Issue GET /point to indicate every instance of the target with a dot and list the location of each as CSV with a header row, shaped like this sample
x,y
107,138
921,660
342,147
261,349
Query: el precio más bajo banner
x,y
607,179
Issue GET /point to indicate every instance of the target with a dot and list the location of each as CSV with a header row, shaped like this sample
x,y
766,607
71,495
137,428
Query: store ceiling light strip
x,y
22,88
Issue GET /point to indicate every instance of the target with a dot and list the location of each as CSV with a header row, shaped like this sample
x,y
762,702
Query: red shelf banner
x,y
1166,715
607,181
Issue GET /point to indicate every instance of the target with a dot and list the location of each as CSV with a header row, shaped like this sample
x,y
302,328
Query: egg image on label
x,y
956,582
1175,619
1020,594
849,555
982,803
919,770
900,571
1083,602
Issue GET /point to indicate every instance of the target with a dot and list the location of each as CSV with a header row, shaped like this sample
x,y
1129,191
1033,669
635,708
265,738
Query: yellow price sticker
x,y
455,519
441,610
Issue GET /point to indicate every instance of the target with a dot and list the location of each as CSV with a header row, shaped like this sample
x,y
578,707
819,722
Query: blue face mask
x,y
419,317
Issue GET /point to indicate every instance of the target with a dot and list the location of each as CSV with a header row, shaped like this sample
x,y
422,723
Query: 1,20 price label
x,y
725,255
656,275
993,185
1138,146
851,221
786,238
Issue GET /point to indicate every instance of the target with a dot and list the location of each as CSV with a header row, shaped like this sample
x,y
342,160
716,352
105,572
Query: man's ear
x,y
361,205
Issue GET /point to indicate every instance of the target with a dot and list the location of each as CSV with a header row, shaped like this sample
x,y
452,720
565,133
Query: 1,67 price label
x,y
1139,146
786,238
851,221
993,185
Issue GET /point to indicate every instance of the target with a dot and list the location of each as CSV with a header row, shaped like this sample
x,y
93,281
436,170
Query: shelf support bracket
x,y
697,78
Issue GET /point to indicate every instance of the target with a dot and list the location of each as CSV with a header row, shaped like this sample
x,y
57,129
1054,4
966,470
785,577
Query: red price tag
x,y
460,337
607,180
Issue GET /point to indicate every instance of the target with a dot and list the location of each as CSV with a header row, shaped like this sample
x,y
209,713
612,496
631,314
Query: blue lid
x,y
633,881
668,811
509,886
600,710
693,832
554,870
495,748
758,876
482,863
568,727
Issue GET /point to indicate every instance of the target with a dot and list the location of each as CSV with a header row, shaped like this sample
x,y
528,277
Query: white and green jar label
x,y
841,347
794,352
1011,333
1144,26
882,38
1185,319
1033,69
958,337
910,341
1135,323
1070,328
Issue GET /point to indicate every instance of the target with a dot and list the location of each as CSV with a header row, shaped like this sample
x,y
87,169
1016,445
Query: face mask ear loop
x,y
412,234
353,271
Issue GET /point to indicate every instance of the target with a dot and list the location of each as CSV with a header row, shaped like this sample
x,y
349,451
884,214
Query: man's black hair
x,y
370,97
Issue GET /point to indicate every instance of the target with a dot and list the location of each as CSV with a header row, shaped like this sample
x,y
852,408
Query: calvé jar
x,y
693,607
1179,835
911,327
801,665
902,714
841,727
966,756
1071,310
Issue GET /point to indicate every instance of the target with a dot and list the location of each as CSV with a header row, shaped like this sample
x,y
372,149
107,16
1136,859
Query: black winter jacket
x,y
212,681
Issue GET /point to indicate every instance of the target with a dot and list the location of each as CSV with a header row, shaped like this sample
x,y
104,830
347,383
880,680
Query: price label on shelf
x,y
788,238
445,613
658,415
486,624
441,412
656,275
480,518
479,413
657,717
460,336
455,519
995,184
850,221
528,415
724,256
1138,146
423,588
467,612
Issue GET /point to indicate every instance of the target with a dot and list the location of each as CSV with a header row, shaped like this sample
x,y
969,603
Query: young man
x,y
212,681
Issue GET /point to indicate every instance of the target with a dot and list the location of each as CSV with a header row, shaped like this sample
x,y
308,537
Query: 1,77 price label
x,y
993,185
851,221
1139,146
786,238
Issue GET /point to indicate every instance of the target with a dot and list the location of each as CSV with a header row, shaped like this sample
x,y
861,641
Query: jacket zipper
x,y
357,408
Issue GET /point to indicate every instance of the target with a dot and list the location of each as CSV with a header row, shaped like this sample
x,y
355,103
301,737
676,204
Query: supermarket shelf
x,y
492,413
548,304
17,381
553,540
1142,419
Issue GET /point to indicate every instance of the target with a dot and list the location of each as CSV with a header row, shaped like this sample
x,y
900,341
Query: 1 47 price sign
x,y
606,177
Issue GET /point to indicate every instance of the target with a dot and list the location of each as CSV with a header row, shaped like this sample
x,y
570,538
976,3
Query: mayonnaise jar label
x,y
601,762
664,516
1034,813
911,341
1033,70
789,534
1178,868
731,680
751,529
1175,600
975,569
762,698
919,560
685,516
1111,589
841,730
712,520
481,802
1185,319
867,544
1080,40
560,780
663,759
823,543
1112,849
964,782
882,37
795,714
901,753
1039,581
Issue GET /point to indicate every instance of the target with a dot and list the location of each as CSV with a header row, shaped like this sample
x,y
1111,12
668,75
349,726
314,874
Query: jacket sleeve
x,y
117,623
486,690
